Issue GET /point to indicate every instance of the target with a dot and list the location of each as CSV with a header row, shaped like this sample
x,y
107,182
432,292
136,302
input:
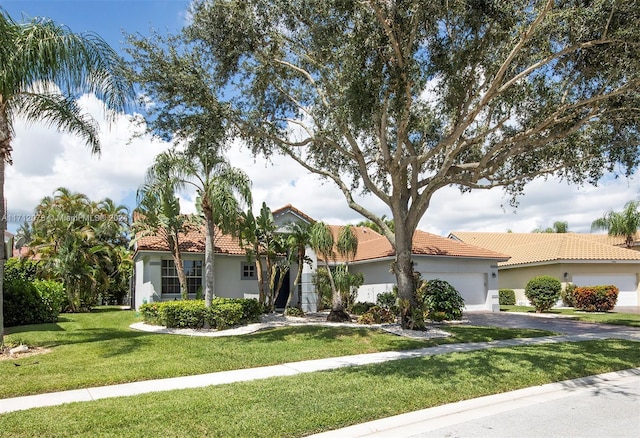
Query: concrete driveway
x,y
551,322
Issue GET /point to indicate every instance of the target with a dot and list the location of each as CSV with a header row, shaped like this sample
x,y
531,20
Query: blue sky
x,y
45,159
107,18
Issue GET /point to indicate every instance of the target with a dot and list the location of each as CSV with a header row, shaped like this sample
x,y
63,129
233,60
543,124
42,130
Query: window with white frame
x,y
170,282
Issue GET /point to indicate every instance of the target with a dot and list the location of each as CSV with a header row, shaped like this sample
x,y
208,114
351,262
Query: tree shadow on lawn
x,y
538,363
327,334
115,341
48,327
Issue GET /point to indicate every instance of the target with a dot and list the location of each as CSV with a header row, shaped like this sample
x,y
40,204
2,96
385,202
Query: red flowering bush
x,y
595,298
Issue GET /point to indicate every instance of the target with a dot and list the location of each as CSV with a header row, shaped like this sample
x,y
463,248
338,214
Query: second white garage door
x,y
471,286
627,284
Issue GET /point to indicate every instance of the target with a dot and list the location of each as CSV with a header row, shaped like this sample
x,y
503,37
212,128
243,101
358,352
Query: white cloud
x,y
45,160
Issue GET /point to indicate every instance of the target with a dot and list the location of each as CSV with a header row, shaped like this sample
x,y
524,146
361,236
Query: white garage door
x,y
470,285
628,295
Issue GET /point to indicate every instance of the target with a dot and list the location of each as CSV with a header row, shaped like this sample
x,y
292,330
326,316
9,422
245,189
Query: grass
x,y
99,349
615,318
309,403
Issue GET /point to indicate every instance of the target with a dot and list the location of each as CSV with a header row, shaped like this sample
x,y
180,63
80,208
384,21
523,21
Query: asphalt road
x,y
605,410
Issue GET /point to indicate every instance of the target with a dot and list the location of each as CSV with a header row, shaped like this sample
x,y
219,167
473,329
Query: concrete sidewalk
x,y
287,369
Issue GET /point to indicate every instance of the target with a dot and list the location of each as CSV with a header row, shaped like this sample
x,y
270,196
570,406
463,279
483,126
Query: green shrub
x,y
20,268
377,315
507,297
440,296
361,307
543,292
53,297
224,313
323,288
251,309
567,295
294,311
22,304
150,313
182,314
595,298
388,300
437,316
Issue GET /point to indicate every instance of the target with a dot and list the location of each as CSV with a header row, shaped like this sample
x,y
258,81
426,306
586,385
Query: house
x,y
581,259
471,270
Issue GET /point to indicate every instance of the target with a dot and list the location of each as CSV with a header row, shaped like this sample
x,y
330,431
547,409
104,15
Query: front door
x,y
281,299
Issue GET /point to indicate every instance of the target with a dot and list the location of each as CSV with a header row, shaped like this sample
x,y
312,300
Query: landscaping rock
x,y
19,349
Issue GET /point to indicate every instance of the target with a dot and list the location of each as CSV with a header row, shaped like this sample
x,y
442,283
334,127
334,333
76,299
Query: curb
x,y
430,419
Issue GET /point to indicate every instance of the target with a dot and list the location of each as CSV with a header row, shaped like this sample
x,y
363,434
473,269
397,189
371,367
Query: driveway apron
x,y
565,326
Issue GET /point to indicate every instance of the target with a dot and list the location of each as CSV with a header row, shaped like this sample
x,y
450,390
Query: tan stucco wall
x,y
517,278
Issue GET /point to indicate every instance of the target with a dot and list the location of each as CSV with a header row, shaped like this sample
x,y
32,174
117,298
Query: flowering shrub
x,y
595,298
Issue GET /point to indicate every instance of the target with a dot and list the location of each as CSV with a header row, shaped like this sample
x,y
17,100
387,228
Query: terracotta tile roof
x,y
526,248
372,245
193,242
26,252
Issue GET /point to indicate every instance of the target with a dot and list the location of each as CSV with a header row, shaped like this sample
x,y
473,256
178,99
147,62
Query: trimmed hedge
x,y
543,292
507,297
32,302
53,296
223,313
595,298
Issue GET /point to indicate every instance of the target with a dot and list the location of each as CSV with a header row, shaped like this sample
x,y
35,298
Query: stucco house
x,y
581,259
470,269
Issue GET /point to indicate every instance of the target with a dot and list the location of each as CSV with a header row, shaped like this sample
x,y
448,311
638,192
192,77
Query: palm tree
x,y
250,239
221,190
158,214
40,54
66,234
375,227
347,246
558,227
624,224
322,243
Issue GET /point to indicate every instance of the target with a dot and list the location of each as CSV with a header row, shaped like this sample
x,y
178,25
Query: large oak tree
x,y
399,99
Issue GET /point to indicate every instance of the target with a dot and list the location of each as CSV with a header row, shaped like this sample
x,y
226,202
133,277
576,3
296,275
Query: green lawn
x,y
98,348
308,403
628,319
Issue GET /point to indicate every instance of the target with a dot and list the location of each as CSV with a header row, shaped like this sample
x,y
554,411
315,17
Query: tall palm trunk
x,y
296,286
5,152
209,256
259,275
177,261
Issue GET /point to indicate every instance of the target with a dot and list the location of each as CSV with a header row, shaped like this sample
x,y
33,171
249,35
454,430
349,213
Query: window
x,y
170,282
248,271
